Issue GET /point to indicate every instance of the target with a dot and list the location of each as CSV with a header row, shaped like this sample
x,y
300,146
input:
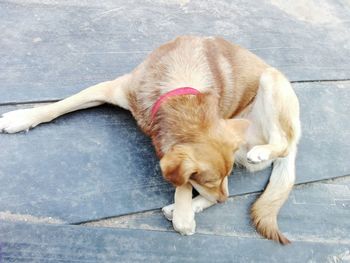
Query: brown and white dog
x,y
237,109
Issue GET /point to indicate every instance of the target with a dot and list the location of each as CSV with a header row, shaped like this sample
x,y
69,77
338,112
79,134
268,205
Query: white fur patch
x,y
200,203
184,223
168,211
120,99
19,120
258,154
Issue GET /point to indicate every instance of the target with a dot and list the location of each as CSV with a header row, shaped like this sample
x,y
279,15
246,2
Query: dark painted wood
x,y
316,212
50,50
22,242
94,164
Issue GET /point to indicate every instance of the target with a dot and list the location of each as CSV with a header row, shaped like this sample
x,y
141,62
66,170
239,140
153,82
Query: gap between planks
x,y
14,103
104,222
155,211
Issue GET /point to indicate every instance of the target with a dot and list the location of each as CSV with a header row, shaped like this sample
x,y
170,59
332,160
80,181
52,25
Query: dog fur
x,y
246,112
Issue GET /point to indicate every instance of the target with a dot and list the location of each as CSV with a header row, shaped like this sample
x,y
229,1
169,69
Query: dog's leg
x,y
275,115
24,119
275,118
199,203
183,215
266,152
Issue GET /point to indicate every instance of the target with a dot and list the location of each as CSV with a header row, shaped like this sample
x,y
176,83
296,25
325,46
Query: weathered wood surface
x,y
315,219
51,49
314,212
96,163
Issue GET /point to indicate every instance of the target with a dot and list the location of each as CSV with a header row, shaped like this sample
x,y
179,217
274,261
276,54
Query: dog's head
x,y
206,162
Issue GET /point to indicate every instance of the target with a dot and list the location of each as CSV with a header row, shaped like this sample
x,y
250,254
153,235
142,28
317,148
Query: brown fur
x,y
245,69
263,215
194,122
201,146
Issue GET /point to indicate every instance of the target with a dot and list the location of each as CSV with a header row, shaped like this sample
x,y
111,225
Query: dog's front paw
x,y
258,154
19,120
184,224
197,207
168,211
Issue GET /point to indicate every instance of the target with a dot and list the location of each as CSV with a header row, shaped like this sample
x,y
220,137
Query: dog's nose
x,y
222,199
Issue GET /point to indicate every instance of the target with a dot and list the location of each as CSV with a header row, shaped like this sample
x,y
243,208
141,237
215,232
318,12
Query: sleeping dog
x,y
206,103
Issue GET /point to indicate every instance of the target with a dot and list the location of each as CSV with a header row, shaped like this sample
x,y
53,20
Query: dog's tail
x,y
265,210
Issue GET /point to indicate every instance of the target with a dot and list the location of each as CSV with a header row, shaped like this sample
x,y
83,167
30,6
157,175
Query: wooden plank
x,y
50,50
97,164
22,242
314,212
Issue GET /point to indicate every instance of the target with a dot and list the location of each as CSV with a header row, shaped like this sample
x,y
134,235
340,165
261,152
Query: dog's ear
x,y
238,127
177,166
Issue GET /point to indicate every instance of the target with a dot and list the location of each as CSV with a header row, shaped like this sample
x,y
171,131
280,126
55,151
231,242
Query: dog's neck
x,y
176,92
183,119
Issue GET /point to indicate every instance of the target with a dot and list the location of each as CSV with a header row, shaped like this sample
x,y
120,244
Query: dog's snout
x,y
222,199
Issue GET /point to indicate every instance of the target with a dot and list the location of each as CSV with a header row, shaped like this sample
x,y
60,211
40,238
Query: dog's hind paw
x,y
258,154
168,211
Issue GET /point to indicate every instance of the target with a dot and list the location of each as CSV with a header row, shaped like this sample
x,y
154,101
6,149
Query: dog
x,y
206,103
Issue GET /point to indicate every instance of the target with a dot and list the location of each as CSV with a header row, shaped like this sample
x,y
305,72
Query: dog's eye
x,y
193,175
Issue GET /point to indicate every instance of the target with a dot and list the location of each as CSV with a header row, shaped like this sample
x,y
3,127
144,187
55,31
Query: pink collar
x,y
175,92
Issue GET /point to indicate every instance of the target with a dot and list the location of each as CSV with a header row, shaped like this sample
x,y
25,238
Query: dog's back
x,y
208,64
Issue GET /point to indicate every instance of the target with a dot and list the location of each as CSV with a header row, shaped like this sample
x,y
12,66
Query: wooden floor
x,y
87,187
